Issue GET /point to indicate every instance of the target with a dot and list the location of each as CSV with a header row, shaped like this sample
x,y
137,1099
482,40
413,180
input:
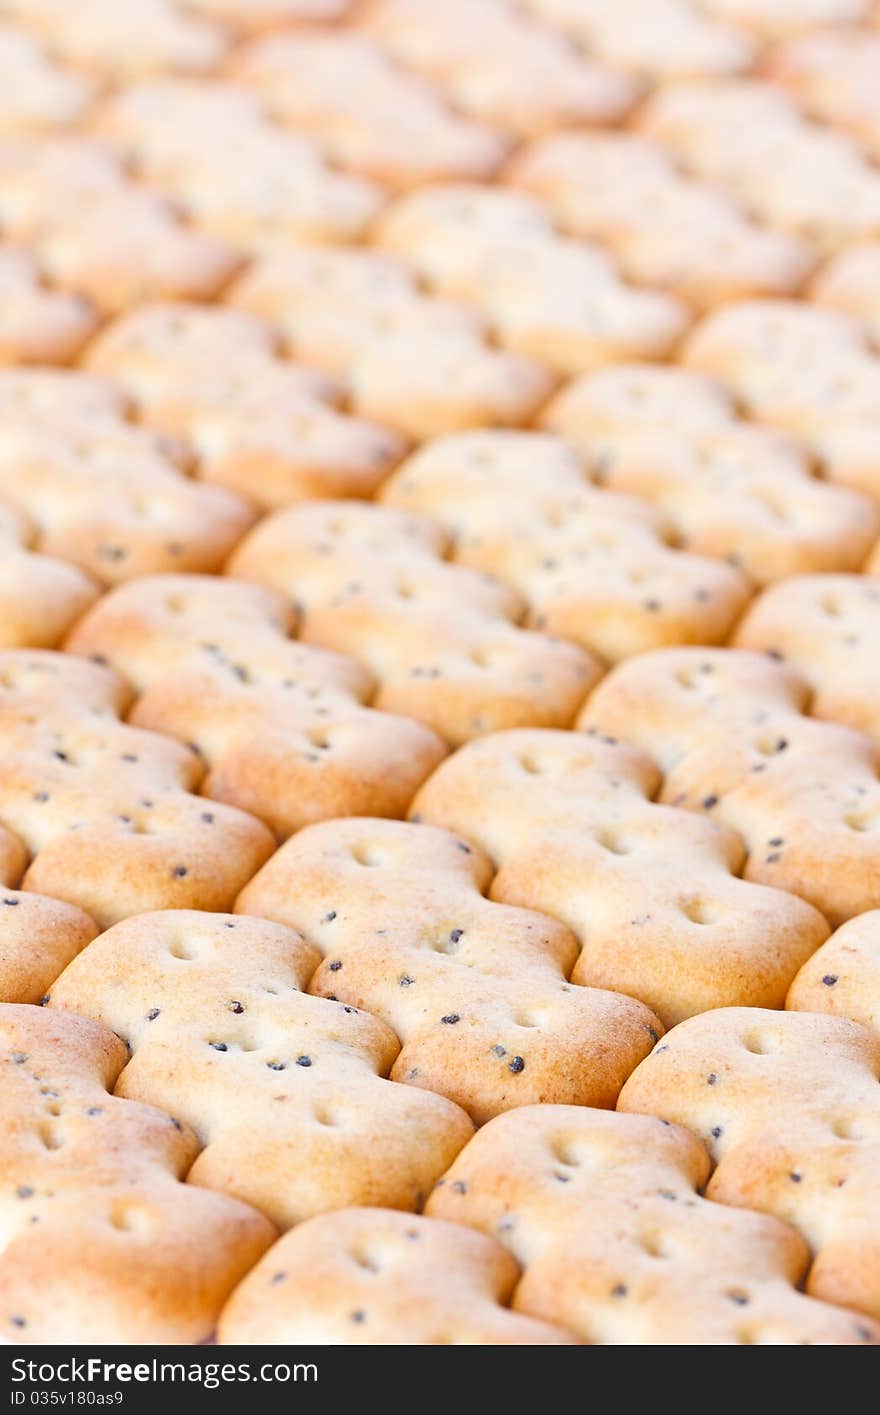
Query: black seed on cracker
x,y
278,1065
335,965
516,1065
235,1006
830,979
451,1018
152,1014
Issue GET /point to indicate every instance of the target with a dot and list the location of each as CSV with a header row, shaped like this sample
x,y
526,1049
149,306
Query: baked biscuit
x,y
476,991
38,325
592,566
843,976
772,19
661,39
246,180
102,1241
285,1091
834,74
663,228
373,1277
727,729
279,725
750,137
649,891
806,370
38,938
850,282
787,1104
97,491
729,489
36,94
105,810
590,1203
40,597
498,65
97,233
542,295
256,423
824,627
248,16
119,43
441,640
367,112
418,363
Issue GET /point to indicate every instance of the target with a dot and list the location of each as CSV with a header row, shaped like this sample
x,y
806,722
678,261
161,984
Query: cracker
x,y
38,95
476,991
751,138
99,234
664,229
500,66
834,74
132,246
372,1277
771,19
105,809
650,891
728,730
850,282
367,112
420,364
244,179
542,295
592,566
40,597
286,1091
590,1202
823,626
439,638
729,489
843,976
787,1105
99,492
806,370
249,16
103,1243
97,35
279,725
662,39
38,938
38,325
256,423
